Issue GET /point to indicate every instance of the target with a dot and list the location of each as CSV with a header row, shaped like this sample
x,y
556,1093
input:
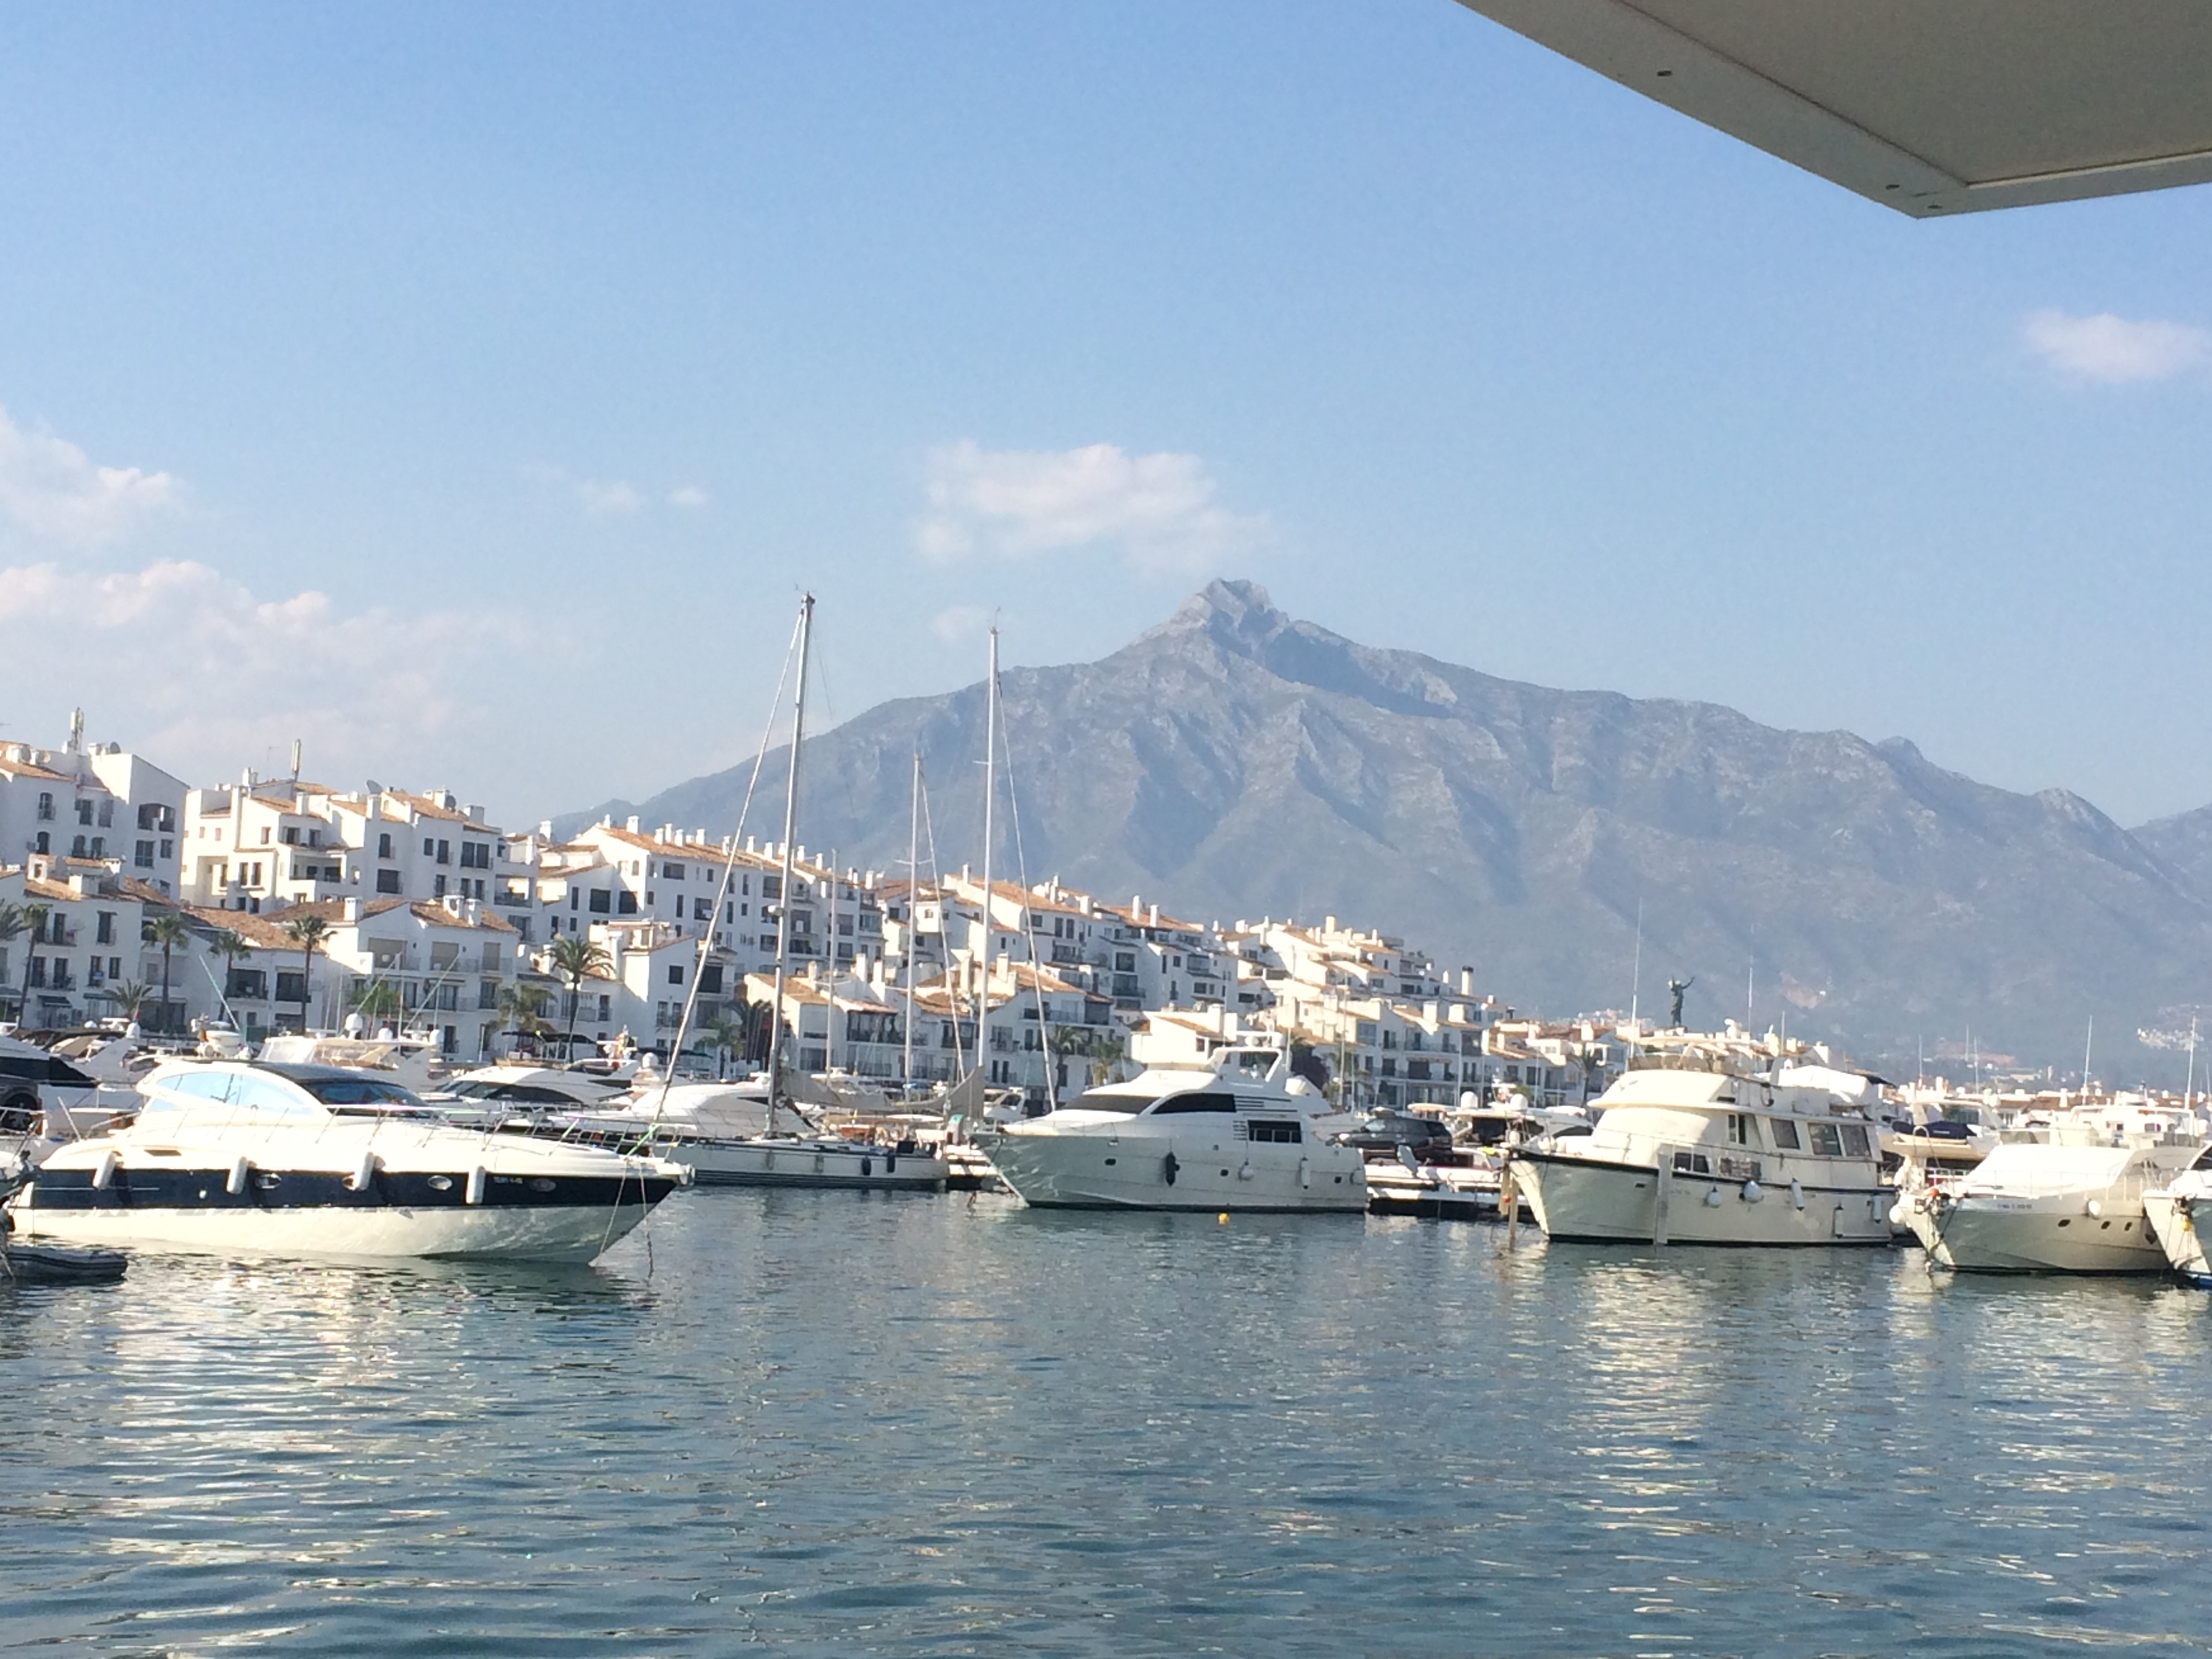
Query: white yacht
x,y
1240,1134
2172,1211
310,1160
2040,1207
1689,1151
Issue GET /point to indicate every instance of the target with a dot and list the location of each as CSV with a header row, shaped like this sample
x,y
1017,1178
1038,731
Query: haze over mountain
x,y
1236,763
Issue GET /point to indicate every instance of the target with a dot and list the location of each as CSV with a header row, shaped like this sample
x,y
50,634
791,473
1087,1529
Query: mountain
x,y
1236,763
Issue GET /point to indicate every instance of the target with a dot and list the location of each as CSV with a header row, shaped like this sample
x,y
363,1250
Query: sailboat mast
x,y
783,896
990,798
913,910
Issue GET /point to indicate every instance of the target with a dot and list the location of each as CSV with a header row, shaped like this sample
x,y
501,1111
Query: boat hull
x,y
300,1213
2173,1224
801,1163
1590,1202
2029,1235
1211,1171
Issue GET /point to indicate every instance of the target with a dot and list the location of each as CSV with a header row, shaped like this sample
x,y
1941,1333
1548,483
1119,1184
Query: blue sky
x,y
470,391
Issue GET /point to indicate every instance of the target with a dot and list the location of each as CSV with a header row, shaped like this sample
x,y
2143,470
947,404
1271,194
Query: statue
x,y
1675,987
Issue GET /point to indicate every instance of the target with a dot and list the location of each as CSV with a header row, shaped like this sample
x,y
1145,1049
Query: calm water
x,y
833,1422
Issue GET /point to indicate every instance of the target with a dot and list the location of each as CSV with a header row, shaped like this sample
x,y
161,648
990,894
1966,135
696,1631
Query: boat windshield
x,y
358,1091
1111,1100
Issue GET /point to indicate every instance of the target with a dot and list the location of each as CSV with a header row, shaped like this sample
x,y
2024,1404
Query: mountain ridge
x,y
1238,762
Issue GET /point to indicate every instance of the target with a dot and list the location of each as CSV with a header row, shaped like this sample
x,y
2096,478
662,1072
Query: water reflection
x,y
928,1427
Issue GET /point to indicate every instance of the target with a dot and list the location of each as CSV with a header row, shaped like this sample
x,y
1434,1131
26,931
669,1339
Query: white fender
x,y
104,1171
1899,1216
474,1192
1245,1172
236,1183
1753,1191
1712,1198
2095,1207
364,1172
1797,1195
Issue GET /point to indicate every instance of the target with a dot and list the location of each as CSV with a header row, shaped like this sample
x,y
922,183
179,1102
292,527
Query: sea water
x,y
858,1424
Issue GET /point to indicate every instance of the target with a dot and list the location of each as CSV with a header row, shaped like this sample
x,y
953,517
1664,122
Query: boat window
x,y
1828,1140
1266,1129
1692,1163
1202,1103
1106,1100
358,1091
266,1097
1743,1129
1854,1140
196,1086
1785,1134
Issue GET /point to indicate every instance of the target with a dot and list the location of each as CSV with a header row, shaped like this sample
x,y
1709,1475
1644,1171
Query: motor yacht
x,y
1688,1150
1240,1134
2172,1209
311,1160
2049,1207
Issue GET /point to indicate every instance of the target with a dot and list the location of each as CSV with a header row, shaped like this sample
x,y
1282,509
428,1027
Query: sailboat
x,y
796,1156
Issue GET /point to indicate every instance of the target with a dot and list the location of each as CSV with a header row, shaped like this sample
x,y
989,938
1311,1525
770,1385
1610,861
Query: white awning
x,y
1930,106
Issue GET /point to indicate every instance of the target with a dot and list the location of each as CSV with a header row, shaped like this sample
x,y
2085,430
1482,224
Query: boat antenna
x,y
783,887
729,874
2188,1088
2085,1042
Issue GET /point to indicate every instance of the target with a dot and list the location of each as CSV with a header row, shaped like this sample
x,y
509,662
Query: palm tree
x,y
168,930
727,1031
378,999
1100,1049
575,959
230,946
520,1007
15,922
308,933
129,997
34,919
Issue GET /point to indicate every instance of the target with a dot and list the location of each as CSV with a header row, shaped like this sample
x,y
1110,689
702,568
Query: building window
x,y
384,846
146,816
100,846
444,851
46,806
437,887
671,873
107,814
388,881
84,811
44,843
602,902
702,910
675,974
103,932
626,904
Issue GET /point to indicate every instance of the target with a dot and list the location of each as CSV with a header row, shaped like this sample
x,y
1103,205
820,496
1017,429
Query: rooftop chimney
x,y
633,823
349,910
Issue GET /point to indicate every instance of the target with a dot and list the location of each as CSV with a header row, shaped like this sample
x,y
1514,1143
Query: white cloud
x,y
958,622
1157,510
53,489
688,495
608,495
2113,349
202,677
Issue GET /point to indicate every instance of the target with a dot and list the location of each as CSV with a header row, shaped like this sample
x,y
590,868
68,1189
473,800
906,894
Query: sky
x,y
470,392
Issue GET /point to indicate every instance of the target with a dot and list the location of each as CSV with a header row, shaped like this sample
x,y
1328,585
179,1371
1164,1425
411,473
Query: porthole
x,y
441,1183
2067,1222
1110,1160
540,1184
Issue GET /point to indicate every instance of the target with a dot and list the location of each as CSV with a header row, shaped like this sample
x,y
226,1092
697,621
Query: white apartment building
x,y
90,944
91,803
416,965
259,845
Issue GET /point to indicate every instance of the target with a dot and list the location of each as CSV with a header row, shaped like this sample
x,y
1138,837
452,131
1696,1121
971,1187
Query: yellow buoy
x,y
1222,1218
